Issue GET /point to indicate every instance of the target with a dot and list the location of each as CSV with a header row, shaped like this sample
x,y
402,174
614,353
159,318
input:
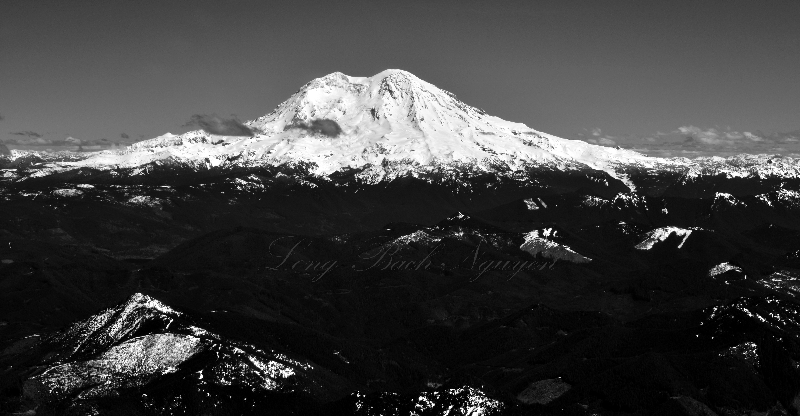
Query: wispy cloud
x,y
596,136
32,140
322,126
27,138
214,124
692,141
26,133
713,136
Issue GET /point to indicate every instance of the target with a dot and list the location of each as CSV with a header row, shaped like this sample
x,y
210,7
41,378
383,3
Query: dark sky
x,y
666,77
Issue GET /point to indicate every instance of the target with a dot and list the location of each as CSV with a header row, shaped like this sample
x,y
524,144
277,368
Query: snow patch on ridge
x,y
725,200
530,203
539,242
660,234
144,200
67,193
722,268
594,201
628,200
417,236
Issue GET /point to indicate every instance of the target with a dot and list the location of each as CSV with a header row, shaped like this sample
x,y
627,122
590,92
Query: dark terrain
x,y
324,283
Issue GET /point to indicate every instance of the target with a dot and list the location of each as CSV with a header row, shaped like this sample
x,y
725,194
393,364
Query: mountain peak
x,y
397,76
394,75
142,301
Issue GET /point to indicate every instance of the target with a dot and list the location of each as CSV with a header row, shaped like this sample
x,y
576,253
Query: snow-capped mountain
x,y
347,131
390,124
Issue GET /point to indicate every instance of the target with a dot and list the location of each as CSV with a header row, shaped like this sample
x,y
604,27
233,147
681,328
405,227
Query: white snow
x,y
472,402
417,236
151,353
594,201
660,234
626,180
539,242
67,193
531,204
722,199
628,200
747,351
722,268
144,200
784,197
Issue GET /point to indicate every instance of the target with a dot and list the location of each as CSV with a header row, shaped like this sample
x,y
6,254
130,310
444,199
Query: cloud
x,y
713,136
753,137
26,133
213,124
27,138
780,137
604,141
30,141
597,137
125,136
694,141
322,126
690,143
696,134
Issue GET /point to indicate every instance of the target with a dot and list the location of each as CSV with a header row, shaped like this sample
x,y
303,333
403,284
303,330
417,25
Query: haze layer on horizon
x,y
680,78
